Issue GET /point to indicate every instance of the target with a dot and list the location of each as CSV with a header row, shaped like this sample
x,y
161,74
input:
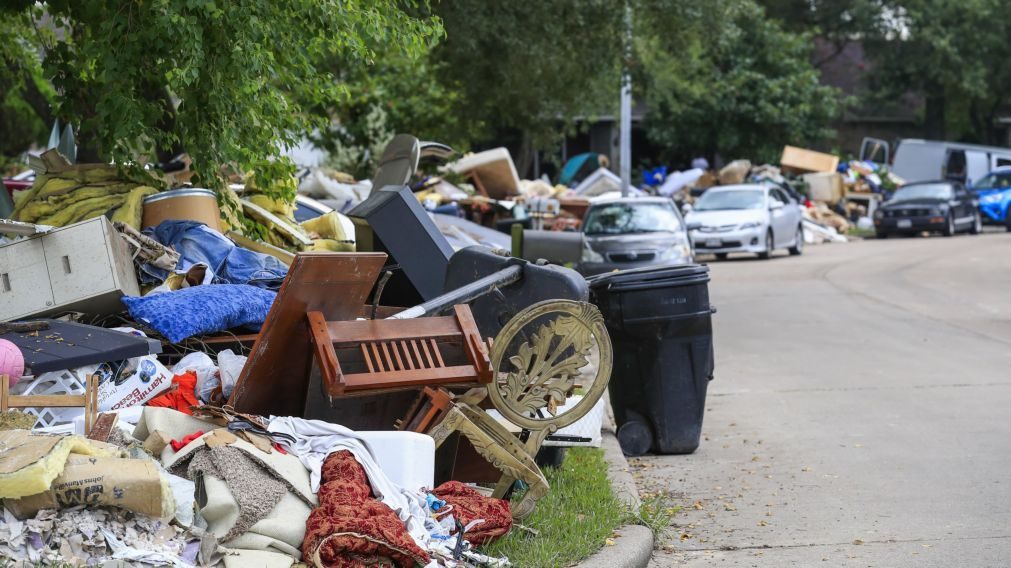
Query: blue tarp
x,y
198,244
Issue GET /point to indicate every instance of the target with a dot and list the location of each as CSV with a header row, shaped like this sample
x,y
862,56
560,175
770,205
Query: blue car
x,y
994,193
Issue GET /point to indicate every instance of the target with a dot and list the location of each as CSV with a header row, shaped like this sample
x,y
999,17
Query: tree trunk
x,y
933,116
525,158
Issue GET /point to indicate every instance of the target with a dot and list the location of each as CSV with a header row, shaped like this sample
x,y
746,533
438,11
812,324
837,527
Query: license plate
x,y
904,224
713,243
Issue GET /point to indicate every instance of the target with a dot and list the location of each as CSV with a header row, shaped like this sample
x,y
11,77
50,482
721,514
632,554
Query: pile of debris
x,y
140,361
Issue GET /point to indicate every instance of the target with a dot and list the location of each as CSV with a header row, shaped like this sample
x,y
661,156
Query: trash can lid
x,y
651,277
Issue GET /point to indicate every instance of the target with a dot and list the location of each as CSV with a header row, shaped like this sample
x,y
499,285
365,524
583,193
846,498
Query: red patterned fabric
x,y
469,505
350,528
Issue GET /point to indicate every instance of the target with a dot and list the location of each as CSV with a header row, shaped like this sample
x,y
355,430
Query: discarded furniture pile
x,y
350,390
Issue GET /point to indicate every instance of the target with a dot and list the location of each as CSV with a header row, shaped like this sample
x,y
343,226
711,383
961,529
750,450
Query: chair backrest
x,y
384,354
275,378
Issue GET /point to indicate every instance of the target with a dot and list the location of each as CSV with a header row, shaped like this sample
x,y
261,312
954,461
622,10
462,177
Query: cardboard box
x,y
824,187
799,160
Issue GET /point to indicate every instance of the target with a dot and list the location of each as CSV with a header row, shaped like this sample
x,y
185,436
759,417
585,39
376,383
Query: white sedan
x,y
745,218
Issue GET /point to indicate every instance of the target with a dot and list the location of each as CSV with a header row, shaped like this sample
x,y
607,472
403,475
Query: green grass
x,y
862,233
573,520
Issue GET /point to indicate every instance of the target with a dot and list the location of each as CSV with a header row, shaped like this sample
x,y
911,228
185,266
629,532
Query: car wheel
x,y
949,229
798,243
881,235
768,246
977,224
721,256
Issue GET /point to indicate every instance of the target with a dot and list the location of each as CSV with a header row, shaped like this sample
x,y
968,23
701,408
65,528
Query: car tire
x,y
768,246
798,244
721,256
881,235
1007,221
949,229
977,224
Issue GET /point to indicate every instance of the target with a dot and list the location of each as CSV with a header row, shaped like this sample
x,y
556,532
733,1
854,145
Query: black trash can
x,y
660,323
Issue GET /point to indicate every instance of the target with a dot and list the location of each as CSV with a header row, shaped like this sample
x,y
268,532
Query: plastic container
x,y
408,458
660,323
187,204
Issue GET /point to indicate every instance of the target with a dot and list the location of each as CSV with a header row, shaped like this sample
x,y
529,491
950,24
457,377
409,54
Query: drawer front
x,y
79,262
24,280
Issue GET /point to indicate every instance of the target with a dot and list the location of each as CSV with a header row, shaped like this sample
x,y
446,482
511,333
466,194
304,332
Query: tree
x,y
955,54
730,82
839,23
530,67
228,82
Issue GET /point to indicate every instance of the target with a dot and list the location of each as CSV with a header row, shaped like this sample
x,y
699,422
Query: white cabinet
x,y
83,267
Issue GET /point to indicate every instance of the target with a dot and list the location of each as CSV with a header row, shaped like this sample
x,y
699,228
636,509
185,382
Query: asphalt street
x,y
860,413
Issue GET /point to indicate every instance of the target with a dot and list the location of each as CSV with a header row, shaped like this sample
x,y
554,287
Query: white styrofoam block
x,y
408,458
128,418
586,427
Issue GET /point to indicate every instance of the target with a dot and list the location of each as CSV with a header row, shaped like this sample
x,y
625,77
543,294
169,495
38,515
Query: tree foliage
x,y
228,81
953,53
731,82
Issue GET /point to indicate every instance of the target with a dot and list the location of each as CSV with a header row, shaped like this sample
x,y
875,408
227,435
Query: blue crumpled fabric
x,y
199,310
226,262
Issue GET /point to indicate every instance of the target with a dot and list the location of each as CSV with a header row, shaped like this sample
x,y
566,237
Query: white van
x,y
923,160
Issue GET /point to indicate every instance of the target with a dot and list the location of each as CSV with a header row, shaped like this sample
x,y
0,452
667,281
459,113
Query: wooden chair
x,y
88,400
275,379
388,354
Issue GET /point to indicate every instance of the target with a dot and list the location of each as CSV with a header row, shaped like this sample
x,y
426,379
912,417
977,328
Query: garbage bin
x,y
660,323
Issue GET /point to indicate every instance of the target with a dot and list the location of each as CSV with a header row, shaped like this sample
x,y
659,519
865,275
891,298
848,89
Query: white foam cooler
x,y
408,458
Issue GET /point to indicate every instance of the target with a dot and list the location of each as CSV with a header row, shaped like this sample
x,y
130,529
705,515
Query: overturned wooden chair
x,y
546,354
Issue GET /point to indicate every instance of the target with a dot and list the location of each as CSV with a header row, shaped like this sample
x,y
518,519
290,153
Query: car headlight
x,y
590,255
750,225
992,198
677,252
878,213
942,210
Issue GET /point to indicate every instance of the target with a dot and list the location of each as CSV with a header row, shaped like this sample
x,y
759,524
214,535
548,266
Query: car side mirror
x,y
695,226
774,205
686,208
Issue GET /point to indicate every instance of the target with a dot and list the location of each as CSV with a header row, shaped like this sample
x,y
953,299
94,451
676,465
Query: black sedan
x,y
942,206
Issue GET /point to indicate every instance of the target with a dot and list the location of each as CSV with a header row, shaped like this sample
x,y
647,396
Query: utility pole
x,y
625,135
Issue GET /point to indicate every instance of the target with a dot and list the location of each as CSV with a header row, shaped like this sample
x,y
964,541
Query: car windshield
x,y
731,199
994,180
624,218
923,191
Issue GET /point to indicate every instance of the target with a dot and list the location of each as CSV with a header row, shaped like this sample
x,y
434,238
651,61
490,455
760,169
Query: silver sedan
x,y
745,218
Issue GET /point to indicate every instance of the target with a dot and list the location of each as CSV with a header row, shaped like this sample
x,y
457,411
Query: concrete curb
x,y
634,545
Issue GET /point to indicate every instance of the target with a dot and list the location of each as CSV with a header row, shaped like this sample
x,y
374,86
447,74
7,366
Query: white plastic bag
x,y
229,367
206,370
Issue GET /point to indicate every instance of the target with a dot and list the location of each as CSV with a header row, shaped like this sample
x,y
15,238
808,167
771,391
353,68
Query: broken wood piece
x,y
104,424
156,442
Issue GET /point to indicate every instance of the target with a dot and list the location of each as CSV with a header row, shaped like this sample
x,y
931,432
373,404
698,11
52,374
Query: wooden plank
x,y
48,400
326,357
428,356
368,360
104,424
421,362
378,359
344,333
407,355
386,355
5,392
438,354
275,379
396,355
417,377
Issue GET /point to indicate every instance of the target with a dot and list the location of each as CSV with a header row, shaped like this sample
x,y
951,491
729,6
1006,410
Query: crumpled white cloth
x,y
316,439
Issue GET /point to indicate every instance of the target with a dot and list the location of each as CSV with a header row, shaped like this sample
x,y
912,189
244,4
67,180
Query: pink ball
x,y
12,362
